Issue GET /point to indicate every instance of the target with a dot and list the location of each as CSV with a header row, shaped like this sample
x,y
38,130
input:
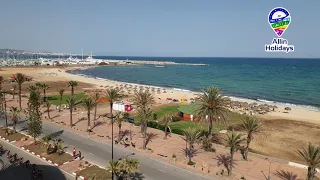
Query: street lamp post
x,y
5,108
112,119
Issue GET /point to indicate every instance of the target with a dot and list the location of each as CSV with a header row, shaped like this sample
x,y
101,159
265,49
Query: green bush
x,y
126,115
176,118
155,125
191,163
155,116
177,131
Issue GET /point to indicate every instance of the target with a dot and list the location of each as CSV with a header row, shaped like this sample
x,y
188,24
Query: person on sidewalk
x,y
79,155
74,152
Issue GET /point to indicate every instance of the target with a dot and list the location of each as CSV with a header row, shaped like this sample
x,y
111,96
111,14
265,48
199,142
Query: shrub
x,y
191,163
176,118
155,117
174,156
126,115
206,144
177,131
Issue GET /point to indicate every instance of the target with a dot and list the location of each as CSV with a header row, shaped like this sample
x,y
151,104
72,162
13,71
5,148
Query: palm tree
x,y
213,104
143,99
15,116
119,119
112,95
96,97
144,114
312,157
72,84
71,101
233,141
251,125
167,119
44,87
129,166
148,137
14,87
20,79
115,167
88,104
61,91
48,105
191,136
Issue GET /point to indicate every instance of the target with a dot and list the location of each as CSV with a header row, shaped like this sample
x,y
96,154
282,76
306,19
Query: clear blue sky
x,y
157,27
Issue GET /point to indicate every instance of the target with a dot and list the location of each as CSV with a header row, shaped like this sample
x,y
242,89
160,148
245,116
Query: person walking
x,y
74,152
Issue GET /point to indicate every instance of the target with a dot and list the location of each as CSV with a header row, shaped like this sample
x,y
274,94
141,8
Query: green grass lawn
x,y
12,136
40,148
96,172
56,99
161,111
233,118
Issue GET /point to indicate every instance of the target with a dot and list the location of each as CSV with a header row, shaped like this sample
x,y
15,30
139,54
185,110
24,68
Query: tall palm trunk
x,y
48,111
231,162
246,150
89,123
71,117
165,132
111,104
60,104
311,173
13,93
141,127
72,91
44,95
145,137
95,112
189,150
210,128
20,97
119,133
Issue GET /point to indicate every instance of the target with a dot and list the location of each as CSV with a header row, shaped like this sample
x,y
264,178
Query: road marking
x,y
40,159
161,170
91,153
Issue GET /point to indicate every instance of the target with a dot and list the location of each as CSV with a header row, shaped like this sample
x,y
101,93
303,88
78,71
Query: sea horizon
x,y
287,81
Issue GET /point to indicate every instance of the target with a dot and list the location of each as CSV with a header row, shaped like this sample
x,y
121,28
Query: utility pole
x,y
5,108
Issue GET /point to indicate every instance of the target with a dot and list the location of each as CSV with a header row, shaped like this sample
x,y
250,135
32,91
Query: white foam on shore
x,y
233,98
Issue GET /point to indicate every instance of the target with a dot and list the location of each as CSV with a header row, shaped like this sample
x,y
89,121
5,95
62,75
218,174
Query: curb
x,y
44,158
7,139
293,164
81,177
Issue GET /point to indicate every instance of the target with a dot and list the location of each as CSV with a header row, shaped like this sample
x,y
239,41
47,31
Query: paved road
x,y
17,172
100,153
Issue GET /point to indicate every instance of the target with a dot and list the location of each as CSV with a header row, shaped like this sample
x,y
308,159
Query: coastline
x,y
303,112
63,74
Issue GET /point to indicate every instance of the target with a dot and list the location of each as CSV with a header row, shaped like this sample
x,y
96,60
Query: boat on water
x,y
160,66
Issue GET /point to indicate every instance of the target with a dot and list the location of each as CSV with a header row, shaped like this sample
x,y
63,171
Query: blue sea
x,y
293,82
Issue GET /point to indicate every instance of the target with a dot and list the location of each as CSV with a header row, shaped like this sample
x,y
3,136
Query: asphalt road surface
x,y
21,172
100,153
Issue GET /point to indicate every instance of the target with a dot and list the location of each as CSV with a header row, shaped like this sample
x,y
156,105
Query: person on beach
x,y
74,153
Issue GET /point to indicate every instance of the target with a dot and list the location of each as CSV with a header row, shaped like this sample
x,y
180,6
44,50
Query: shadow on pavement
x,y
137,176
16,172
56,134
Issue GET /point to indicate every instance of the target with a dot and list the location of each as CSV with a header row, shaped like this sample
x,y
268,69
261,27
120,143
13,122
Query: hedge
x,y
155,125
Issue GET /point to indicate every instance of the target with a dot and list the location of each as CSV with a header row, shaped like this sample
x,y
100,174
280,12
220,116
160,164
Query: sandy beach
x,y
281,134
53,74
